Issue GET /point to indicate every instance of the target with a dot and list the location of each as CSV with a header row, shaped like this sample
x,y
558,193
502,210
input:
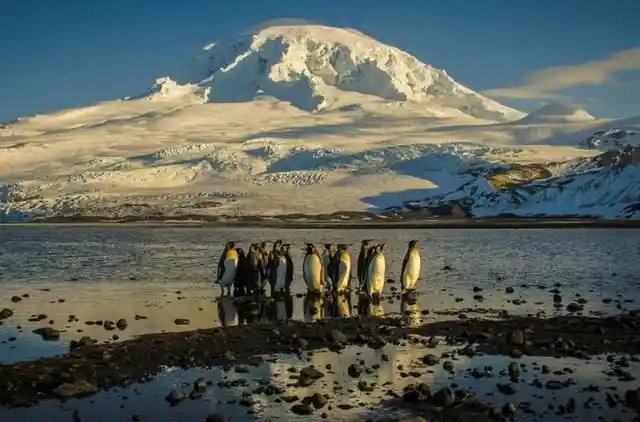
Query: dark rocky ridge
x,y
89,368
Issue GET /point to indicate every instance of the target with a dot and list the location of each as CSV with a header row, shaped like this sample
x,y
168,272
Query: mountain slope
x,y
295,138
607,185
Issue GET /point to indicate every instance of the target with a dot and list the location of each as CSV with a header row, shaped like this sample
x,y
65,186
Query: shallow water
x,y
111,273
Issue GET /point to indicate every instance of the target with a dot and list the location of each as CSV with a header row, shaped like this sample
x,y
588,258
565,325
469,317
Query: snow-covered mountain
x,y
556,113
311,66
308,120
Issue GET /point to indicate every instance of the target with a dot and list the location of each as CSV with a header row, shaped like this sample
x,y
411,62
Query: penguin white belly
x,y
344,273
411,271
326,261
376,275
281,275
230,268
313,273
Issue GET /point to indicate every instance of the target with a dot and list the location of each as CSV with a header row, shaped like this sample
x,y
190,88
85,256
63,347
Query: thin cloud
x,y
544,84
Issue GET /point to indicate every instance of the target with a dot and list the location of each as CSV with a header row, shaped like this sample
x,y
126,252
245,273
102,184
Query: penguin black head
x,y
327,245
413,243
263,245
240,251
310,248
343,247
286,247
278,242
366,242
231,245
381,246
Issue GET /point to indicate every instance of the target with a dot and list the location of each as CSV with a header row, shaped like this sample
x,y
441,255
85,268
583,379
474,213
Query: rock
x,y
109,325
83,342
200,384
509,290
448,366
48,333
302,409
181,321
318,400
16,299
75,389
175,397
444,397
214,417
557,298
354,370
6,313
139,317
122,324
516,337
311,373
574,307
509,409
430,359
338,337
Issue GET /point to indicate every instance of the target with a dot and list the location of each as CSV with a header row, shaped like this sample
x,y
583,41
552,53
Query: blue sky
x,y
68,53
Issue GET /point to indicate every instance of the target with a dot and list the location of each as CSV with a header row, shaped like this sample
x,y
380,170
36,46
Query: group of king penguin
x,y
248,273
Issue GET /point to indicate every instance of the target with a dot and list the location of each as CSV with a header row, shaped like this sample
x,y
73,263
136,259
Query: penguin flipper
x,y
405,260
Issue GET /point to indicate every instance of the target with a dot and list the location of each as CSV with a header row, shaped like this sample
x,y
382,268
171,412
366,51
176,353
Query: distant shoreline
x,y
524,223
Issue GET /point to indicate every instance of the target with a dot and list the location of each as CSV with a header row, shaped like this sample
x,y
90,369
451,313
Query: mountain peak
x,y
557,113
316,67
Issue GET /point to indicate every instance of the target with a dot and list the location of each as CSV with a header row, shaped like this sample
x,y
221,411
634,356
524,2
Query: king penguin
x,y
327,255
410,267
272,262
342,270
376,272
312,271
227,267
281,267
362,262
287,255
264,254
254,268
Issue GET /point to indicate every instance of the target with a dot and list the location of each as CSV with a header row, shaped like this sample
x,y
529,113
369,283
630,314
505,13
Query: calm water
x,y
111,273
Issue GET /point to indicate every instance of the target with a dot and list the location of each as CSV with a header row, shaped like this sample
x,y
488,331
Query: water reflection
x,y
370,306
314,309
410,309
250,310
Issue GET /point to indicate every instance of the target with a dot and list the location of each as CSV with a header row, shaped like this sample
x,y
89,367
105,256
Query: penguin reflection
x,y
248,311
313,307
370,306
410,309
283,307
227,312
342,306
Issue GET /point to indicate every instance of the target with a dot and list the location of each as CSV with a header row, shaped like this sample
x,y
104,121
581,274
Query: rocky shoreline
x,y
89,368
